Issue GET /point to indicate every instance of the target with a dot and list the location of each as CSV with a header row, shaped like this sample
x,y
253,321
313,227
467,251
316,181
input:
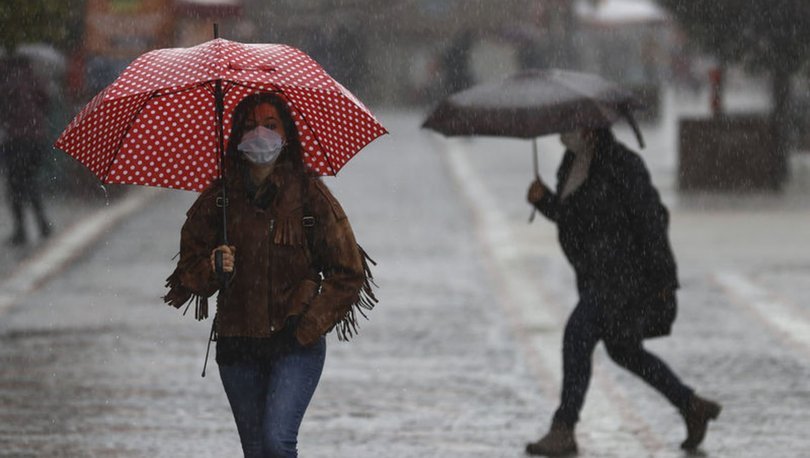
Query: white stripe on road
x,y
524,300
785,318
67,246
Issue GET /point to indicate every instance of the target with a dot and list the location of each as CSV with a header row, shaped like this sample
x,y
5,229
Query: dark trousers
x,y
22,158
269,399
585,328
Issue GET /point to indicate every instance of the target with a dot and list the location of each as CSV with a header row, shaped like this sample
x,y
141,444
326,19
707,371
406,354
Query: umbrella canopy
x,y
157,124
532,104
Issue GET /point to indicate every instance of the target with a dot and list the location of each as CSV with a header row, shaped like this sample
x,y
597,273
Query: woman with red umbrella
x,y
265,233
291,272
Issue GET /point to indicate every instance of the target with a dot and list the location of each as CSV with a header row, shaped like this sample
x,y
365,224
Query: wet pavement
x,y
461,357
61,211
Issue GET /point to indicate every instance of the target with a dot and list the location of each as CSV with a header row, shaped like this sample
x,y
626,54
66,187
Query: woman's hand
x,y
536,191
228,258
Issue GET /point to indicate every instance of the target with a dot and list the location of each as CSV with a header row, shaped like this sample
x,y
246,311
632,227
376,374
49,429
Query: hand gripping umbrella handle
x,y
218,263
222,276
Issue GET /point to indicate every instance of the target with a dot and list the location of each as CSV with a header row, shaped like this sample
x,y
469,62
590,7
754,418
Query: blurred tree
x,y
771,36
57,22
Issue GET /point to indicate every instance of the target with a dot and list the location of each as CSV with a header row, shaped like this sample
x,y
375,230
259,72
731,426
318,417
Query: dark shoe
x,y
45,230
18,239
697,415
559,441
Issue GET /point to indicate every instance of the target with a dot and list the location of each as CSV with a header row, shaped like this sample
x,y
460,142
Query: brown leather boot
x,y
697,415
559,441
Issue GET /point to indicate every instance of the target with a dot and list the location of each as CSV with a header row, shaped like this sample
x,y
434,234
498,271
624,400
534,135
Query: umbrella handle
x,y
536,175
220,270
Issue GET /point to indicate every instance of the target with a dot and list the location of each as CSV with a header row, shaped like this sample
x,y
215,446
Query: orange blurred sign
x,y
125,29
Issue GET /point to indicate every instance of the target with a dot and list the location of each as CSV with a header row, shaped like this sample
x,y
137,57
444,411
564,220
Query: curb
x,y
64,248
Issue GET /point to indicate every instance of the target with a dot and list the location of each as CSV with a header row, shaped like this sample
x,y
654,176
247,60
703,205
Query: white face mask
x,y
574,141
261,146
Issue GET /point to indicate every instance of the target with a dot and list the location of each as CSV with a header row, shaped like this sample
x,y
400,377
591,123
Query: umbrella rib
x,y
249,86
332,92
211,90
153,95
228,86
157,92
318,141
124,135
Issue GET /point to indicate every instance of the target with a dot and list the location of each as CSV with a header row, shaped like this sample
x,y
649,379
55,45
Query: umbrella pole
x,y
221,151
221,275
536,174
219,103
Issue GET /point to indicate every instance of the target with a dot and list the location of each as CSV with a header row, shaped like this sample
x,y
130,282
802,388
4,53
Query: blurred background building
x,y
392,53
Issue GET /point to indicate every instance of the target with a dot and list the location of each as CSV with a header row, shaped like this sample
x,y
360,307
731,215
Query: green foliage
x,y
769,35
50,21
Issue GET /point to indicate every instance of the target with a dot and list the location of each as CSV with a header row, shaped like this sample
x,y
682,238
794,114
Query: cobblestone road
x,y
461,358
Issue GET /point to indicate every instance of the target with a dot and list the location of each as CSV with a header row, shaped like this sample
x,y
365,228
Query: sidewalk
x,y
62,212
461,356
93,364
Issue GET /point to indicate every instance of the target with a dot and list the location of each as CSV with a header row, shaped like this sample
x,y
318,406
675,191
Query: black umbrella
x,y
534,103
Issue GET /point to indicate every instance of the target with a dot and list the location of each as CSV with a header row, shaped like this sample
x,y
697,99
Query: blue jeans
x,y
268,399
585,328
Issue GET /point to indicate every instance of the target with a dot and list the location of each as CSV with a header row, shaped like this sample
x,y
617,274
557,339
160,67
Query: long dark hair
x,y
292,151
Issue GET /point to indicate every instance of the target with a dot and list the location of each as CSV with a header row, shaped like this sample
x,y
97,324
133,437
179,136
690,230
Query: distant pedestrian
x,y
455,60
294,272
23,121
613,227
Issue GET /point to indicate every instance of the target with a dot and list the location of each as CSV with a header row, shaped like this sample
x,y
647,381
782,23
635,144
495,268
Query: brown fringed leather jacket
x,y
296,258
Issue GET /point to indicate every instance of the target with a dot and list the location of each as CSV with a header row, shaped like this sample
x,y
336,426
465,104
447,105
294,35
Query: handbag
x,y
657,314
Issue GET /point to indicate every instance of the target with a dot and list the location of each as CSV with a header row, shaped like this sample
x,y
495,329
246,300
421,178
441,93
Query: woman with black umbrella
x,y
613,229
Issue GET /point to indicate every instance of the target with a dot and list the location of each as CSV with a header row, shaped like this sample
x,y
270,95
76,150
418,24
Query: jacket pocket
x,y
303,295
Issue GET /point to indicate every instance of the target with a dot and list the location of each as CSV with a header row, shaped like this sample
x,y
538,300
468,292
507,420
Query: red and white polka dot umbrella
x,y
156,124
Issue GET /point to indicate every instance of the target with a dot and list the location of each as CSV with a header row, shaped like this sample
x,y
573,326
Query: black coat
x,y
613,230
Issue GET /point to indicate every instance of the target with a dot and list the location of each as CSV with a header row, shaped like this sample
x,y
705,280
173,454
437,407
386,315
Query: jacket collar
x,y
286,195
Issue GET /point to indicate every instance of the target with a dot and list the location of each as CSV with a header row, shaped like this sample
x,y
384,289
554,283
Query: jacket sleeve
x,y
193,279
342,264
649,220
